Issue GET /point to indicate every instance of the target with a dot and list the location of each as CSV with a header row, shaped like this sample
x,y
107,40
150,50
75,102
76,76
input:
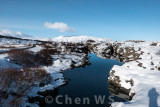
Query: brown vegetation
x,y
153,44
16,83
29,58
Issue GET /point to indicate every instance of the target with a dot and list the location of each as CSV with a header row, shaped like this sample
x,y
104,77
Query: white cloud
x,y
62,27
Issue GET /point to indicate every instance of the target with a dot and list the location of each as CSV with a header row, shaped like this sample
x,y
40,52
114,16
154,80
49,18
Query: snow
x,y
6,49
36,49
146,78
6,41
76,39
5,62
60,63
6,32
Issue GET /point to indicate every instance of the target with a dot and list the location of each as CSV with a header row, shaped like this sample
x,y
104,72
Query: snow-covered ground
x,y
36,48
140,72
76,39
142,67
6,41
6,49
144,73
61,62
5,62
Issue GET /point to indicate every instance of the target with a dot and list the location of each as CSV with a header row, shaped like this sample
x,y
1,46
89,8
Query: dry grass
x,y
43,57
30,59
50,48
22,57
51,51
56,48
18,82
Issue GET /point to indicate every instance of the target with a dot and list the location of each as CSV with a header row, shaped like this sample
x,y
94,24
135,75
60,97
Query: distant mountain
x,y
80,39
6,32
75,39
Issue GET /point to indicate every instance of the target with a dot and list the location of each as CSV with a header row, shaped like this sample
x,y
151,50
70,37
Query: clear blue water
x,y
86,83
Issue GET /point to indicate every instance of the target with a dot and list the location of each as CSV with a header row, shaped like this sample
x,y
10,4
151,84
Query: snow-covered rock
x,y
140,76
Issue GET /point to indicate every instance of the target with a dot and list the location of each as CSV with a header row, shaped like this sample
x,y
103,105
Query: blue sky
x,y
114,19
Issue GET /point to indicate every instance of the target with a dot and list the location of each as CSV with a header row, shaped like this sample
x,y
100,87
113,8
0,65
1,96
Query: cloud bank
x,y
62,27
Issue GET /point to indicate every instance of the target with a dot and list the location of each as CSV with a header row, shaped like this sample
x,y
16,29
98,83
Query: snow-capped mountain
x,y
19,38
75,39
79,39
6,32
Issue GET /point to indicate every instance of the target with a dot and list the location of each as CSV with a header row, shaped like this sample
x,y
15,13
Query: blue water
x,y
86,83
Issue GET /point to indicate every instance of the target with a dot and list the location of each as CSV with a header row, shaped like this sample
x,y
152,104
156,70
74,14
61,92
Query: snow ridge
x,y
76,39
6,32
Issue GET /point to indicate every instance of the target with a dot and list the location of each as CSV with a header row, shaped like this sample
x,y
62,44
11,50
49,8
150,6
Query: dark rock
x,y
41,85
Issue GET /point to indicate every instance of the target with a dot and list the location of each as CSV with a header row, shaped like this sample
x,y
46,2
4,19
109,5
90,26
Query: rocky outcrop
x,y
116,87
141,63
123,53
115,51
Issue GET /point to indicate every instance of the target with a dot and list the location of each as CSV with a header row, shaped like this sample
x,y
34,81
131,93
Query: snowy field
x,y
61,62
142,67
144,73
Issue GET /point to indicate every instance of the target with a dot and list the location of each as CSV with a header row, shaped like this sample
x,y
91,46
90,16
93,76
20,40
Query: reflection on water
x,y
87,85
